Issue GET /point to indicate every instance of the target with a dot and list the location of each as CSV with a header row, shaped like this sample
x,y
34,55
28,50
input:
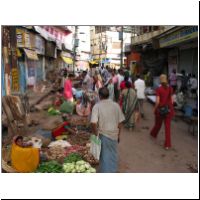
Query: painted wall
x,y
132,57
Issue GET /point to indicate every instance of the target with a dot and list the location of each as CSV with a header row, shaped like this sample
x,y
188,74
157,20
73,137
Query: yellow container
x,y
24,159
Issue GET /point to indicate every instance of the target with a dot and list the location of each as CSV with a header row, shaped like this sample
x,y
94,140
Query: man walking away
x,y
109,117
140,88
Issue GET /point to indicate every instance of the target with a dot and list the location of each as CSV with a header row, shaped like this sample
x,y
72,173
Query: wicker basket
x,y
7,168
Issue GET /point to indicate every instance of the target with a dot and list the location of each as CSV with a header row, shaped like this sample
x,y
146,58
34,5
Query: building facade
x,y
83,48
159,49
106,46
29,53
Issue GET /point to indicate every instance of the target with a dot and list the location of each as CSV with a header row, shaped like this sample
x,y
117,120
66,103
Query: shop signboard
x,y
179,36
31,54
15,79
27,40
20,35
13,57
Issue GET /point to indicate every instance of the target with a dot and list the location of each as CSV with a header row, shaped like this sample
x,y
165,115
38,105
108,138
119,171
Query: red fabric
x,y
158,123
68,89
122,85
165,95
59,130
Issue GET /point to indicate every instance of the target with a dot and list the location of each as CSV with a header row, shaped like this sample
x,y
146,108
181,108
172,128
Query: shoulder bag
x,y
164,110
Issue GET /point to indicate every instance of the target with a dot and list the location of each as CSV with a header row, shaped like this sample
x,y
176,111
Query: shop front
x,y
31,60
182,45
40,63
50,61
66,60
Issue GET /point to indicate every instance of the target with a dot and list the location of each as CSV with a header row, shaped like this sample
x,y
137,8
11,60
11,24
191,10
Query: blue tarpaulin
x,y
22,77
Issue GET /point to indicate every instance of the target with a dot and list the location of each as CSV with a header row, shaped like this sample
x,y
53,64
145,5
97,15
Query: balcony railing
x,y
146,37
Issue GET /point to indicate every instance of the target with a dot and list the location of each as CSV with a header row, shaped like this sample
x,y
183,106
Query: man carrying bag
x,y
106,121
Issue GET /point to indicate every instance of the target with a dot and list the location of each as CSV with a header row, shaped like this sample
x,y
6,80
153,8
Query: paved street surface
x,y
140,154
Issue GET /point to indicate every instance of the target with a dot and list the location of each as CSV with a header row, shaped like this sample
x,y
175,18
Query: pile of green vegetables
x,y
53,111
73,157
50,167
78,167
73,163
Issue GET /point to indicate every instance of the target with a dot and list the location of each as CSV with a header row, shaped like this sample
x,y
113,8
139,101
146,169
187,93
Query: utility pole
x,y
122,44
100,45
74,49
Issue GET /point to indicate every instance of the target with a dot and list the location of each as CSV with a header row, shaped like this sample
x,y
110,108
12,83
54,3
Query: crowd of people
x,y
188,83
119,98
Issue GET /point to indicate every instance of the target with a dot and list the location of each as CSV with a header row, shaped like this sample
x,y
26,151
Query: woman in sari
x,y
129,103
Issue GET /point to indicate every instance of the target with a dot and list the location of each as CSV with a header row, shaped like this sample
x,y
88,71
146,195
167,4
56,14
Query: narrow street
x,y
54,78
139,154
99,106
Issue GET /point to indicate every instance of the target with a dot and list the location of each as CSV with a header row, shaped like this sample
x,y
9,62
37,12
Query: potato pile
x,y
56,153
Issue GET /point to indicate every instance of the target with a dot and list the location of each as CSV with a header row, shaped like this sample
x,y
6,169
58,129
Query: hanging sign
x,y
179,36
27,40
20,34
15,79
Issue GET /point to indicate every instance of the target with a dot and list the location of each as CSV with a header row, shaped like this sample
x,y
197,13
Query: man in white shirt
x,y
193,85
120,77
140,89
109,117
87,80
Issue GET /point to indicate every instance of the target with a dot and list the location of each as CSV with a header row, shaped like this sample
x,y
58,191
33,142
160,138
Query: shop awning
x,y
19,54
31,54
67,60
94,62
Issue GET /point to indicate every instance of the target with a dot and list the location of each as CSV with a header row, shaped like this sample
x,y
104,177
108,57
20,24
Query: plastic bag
x,y
67,107
24,159
95,146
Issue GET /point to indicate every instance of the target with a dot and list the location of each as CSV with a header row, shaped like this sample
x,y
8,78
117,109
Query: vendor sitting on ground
x,y
19,140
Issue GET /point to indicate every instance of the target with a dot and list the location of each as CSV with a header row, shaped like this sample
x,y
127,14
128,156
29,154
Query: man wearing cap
x,y
164,101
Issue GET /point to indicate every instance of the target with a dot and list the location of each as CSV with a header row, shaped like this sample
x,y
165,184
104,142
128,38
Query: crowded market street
x,y
98,99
